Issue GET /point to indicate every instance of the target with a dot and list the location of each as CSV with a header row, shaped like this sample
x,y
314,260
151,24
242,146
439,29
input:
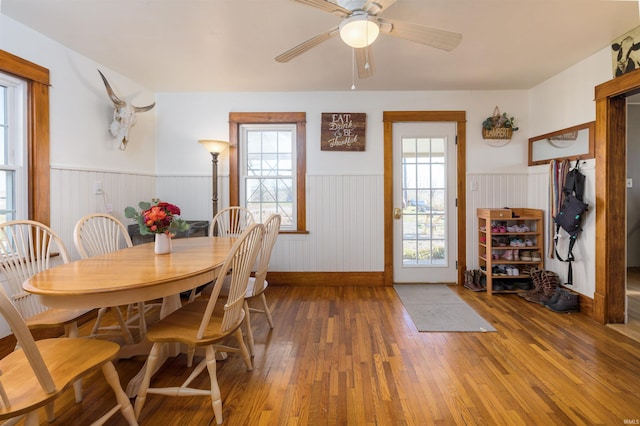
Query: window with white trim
x,y
268,171
13,159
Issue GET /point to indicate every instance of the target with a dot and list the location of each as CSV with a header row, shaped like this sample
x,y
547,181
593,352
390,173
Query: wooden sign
x,y
343,131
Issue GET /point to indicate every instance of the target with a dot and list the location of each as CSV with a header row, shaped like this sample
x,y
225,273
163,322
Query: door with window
x,y
425,212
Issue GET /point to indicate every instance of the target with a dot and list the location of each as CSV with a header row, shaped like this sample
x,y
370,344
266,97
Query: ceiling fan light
x,y
358,31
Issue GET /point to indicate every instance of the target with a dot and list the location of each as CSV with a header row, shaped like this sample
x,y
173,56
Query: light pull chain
x,y
353,68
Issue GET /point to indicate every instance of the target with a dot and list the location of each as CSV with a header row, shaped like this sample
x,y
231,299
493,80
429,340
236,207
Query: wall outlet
x,y
474,185
97,187
629,183
108,208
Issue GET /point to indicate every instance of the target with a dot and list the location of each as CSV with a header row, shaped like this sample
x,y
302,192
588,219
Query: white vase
x,y
163,244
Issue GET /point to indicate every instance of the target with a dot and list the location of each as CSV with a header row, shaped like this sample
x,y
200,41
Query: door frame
x,y
611,193
391,117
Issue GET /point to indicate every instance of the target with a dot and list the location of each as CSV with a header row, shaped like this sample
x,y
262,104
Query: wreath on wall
x,y
498,126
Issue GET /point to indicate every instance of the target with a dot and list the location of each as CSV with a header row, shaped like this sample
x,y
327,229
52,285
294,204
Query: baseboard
x,y
334,279
586,305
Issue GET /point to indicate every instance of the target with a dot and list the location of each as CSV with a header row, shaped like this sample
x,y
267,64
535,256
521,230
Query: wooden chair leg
x,y
243,349
71,330
123,325
247,320
267,312
154,356
142,322
111,376
216,400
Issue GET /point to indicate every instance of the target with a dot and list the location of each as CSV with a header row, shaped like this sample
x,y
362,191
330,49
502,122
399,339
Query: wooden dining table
x,y
131,275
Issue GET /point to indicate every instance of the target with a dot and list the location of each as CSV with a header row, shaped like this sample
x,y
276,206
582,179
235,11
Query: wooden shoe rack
x,y
497,230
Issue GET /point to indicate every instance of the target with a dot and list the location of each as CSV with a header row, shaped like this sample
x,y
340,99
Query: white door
x,y
425,212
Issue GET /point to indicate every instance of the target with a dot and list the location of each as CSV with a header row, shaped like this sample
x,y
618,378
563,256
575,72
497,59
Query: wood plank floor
x,y
352,356
632,327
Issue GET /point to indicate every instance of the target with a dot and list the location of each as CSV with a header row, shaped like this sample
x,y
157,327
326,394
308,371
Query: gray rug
x,y
435,307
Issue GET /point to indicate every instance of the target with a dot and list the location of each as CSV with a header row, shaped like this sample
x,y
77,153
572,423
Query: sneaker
x,y
525,256
535,256
528,243
508,255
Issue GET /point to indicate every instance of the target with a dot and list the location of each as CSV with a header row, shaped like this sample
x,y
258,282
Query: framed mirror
x,y
571,143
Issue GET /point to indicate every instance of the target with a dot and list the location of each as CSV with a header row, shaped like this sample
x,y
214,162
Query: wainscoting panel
x,y
489,190
73,196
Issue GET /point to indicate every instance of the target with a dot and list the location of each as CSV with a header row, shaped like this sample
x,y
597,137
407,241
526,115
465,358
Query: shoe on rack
x,y
507,255
535,256
525,256
522,285
528,243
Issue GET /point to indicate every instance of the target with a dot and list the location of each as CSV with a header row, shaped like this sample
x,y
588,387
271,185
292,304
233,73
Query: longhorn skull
x,y
124,115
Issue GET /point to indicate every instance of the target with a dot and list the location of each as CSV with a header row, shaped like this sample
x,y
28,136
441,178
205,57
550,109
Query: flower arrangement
x,y
498,126
158,217
499,121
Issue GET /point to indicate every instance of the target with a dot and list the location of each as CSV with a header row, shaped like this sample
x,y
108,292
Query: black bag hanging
x,y
571,214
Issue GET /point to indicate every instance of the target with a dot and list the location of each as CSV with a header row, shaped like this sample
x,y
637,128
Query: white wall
x,y
82,149
566,100
164,158
183,118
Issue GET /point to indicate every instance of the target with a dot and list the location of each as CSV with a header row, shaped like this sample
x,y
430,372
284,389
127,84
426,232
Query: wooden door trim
x,y
611,192
390,117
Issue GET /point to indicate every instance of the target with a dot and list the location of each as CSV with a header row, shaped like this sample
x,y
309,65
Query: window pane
x,y
7,196
3,105
269,175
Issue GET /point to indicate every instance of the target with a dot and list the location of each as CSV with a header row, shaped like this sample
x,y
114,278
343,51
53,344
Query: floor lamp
x,y
214,147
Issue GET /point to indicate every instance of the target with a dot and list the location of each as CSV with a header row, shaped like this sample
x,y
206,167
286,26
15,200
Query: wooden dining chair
x,y
97,234
207,323
27,248
231,221
258,280
38,372
228,222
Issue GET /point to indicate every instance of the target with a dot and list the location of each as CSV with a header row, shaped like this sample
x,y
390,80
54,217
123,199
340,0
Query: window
x,y
267,182
13,176
36,131
268,166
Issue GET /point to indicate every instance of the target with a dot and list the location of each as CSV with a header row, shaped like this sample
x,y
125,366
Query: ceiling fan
x,y
361,26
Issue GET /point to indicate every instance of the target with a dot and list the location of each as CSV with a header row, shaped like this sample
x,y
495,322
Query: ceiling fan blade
x,y
373,7
440,39
364,62
306,45
326,6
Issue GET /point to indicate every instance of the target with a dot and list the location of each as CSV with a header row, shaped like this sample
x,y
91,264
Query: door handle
x,y
397,213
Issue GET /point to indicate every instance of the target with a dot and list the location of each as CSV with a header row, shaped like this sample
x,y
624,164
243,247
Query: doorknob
x,y
397,213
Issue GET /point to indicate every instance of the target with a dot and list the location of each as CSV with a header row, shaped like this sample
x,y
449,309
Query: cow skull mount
x,y
124,115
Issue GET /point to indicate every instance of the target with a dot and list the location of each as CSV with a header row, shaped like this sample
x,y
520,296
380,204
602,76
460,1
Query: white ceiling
x,y
229,45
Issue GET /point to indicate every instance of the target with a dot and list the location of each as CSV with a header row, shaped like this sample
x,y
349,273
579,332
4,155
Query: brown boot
x,y
550,282
536,279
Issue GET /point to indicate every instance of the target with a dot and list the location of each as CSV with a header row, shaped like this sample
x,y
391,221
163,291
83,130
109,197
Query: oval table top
x,y
131,275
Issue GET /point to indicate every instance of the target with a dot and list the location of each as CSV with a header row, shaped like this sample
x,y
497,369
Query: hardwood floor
x,y
632,327
352,356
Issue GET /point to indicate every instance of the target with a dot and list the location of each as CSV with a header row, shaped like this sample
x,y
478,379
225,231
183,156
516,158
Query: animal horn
x,y
145,108
116,101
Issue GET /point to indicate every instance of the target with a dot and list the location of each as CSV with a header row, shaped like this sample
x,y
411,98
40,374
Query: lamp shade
x,y
358,31
214,146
